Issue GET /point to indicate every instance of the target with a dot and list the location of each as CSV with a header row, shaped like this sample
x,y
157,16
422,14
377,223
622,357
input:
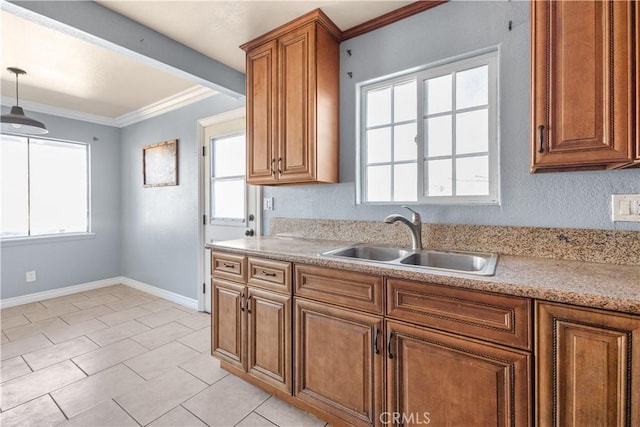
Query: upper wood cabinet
x,y
292,103
587,367
582,85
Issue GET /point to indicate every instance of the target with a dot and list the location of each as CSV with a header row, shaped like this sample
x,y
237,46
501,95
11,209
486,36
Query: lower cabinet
x,y
339,361
587,367
253,331
440,379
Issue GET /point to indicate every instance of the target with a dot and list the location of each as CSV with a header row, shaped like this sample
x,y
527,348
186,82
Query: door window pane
x,y
228,195
14,186
229,156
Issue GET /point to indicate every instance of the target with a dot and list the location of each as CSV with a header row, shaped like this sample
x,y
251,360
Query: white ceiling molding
x,y
182,99
61,112
227,116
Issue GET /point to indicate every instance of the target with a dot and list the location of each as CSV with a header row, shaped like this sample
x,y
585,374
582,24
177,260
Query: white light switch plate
x,y
625,207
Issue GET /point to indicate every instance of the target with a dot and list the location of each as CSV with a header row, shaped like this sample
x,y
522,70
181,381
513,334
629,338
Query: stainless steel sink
x,y
369,253
465,262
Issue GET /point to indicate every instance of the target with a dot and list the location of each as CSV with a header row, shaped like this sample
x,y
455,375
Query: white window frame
x,y
29,238
488,57
232,222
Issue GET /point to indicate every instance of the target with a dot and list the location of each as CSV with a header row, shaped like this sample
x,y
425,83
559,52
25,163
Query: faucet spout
x,y
415,226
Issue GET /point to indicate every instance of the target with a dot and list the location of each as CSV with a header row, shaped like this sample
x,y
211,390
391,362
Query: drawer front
x,y
229,266
345,288
268,274
492,317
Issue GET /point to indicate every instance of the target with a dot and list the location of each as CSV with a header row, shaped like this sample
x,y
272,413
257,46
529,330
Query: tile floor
x,y
117,356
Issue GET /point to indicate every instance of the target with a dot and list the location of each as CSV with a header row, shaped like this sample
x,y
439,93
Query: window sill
x,y
41,240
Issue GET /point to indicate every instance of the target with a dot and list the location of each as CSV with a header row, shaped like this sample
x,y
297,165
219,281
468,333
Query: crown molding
x,y
181,99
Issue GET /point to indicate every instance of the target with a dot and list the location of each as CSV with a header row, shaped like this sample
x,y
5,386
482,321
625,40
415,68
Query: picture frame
x,y
160,164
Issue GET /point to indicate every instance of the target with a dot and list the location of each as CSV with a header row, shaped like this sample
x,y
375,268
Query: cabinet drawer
x,y
349,289
269,274
492,317
229,266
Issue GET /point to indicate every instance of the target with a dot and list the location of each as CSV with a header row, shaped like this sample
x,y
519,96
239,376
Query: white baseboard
x,y
162,293
60,292
67,290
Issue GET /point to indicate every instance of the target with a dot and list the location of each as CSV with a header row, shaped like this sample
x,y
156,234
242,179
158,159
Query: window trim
x,y
489,56
54,237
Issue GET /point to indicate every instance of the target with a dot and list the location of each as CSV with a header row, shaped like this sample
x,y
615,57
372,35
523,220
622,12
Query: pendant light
x,y
16,121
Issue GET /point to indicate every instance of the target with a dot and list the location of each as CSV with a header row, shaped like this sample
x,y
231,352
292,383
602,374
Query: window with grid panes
x,y
432,136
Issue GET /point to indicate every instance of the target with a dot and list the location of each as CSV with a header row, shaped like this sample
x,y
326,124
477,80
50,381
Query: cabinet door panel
x,y
261,109
586,364
296,156
227,317
269,338
442,379
582,87
337,368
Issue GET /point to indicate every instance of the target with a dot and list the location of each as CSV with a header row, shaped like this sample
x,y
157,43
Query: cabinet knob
x,y
249,232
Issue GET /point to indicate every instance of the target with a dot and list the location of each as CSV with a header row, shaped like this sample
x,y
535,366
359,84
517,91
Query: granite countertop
x,y
607,286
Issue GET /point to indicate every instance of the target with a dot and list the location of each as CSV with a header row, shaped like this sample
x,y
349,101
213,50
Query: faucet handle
x,y
415,216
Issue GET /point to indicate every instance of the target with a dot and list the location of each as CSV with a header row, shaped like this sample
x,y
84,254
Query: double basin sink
x,y
483,264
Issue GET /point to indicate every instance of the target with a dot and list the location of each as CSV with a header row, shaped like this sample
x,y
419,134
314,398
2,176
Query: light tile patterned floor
x,y
117,356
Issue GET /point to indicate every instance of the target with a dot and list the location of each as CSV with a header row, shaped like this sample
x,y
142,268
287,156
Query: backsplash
x,y
601,246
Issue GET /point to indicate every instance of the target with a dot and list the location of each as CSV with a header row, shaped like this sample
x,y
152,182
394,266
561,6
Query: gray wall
x,y
73,262
575,200
160,225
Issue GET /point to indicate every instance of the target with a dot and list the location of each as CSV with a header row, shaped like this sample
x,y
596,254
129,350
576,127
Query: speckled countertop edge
x,y
610,287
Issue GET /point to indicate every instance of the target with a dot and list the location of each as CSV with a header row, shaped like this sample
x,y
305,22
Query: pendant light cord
x,y
17,97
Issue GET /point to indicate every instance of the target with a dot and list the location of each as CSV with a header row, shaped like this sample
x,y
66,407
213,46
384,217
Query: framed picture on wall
x,y
160,164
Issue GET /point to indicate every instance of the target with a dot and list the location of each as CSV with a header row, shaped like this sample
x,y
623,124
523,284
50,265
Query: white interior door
x,y
230,205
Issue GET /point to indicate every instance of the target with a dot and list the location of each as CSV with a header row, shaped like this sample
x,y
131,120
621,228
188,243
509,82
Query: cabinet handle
x,y
228,265
375,341
242,301
279,165
541,130
264,273
389,354
249,304
273,169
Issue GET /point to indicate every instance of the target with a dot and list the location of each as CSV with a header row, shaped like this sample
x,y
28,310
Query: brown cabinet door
x,y
269,338
296,131
581,84
587,367
262,107
338,370
440,379
227,322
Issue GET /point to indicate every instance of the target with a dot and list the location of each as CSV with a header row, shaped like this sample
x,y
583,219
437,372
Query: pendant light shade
x,y
16,121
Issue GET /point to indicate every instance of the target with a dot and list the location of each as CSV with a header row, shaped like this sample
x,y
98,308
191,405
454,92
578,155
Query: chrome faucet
x,y
415,225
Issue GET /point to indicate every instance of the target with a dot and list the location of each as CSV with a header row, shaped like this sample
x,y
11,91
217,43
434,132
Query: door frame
x,y
202,124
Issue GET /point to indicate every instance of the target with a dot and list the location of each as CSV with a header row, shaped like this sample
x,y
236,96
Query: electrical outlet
x,y
625,207
267,204
31,276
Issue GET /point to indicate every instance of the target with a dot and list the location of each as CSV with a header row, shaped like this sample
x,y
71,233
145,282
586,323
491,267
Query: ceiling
x,y
74,74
